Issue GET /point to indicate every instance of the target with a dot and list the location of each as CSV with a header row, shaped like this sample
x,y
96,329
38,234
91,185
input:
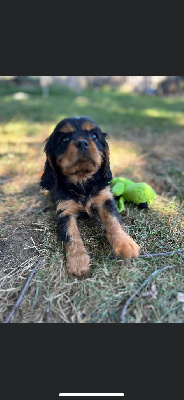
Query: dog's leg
x,y
77,259
123,245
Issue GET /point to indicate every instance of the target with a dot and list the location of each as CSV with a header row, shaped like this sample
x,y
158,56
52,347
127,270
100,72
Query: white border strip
x,y
91,394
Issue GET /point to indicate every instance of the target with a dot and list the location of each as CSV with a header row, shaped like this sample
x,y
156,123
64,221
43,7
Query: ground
x,y
146,139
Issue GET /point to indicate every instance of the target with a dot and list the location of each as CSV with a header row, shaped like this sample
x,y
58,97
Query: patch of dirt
x,y
19,245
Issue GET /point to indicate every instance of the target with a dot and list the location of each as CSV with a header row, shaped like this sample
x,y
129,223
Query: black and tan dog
x,y
77,173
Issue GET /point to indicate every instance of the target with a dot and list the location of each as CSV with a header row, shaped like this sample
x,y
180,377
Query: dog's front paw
x,y
126,247
79,265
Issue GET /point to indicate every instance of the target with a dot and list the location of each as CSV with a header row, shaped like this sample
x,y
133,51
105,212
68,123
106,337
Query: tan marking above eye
x,y
88,126
67,128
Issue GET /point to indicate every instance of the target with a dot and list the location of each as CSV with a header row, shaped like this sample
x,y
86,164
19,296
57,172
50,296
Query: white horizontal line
x,y
91,394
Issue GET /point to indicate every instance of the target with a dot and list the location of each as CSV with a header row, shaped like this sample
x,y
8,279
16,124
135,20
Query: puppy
x,y
77,172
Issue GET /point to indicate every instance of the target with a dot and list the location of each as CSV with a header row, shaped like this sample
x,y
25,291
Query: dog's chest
x,y
83,199
85,202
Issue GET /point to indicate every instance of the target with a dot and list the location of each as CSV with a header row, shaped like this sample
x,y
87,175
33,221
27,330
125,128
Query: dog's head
x,y
77,148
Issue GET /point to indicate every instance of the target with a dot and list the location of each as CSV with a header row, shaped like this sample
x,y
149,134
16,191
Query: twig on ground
x,y
167,253
123,319
8,319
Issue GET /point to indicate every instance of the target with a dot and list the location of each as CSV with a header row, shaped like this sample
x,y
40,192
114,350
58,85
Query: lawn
x,y
146,144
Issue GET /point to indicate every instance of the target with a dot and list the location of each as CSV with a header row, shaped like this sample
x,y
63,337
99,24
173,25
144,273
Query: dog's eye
x,y
94,137
66,139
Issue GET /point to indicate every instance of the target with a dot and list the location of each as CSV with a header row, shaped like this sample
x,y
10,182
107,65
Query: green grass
x,y
131,110
146,144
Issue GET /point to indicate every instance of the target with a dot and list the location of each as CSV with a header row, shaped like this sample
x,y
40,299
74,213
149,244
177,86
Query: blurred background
x,y
140,84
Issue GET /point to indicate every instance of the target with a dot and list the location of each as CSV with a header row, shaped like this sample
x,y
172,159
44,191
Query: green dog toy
x,y
140,194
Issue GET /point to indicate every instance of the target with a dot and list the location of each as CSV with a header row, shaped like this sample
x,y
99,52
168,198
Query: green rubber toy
x,y
124,189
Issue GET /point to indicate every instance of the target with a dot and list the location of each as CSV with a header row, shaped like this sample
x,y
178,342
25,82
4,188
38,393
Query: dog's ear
x,y
48,178
106,161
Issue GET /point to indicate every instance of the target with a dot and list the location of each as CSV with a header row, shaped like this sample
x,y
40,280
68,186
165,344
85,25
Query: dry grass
x,y
28,229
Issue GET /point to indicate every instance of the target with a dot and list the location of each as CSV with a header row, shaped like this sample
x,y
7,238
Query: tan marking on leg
x,y
99,200
102,197
88,126
69,207
67,128
123,245
77,259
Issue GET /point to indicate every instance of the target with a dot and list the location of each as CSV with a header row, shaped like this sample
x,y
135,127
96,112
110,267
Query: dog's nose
x,y
82,144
